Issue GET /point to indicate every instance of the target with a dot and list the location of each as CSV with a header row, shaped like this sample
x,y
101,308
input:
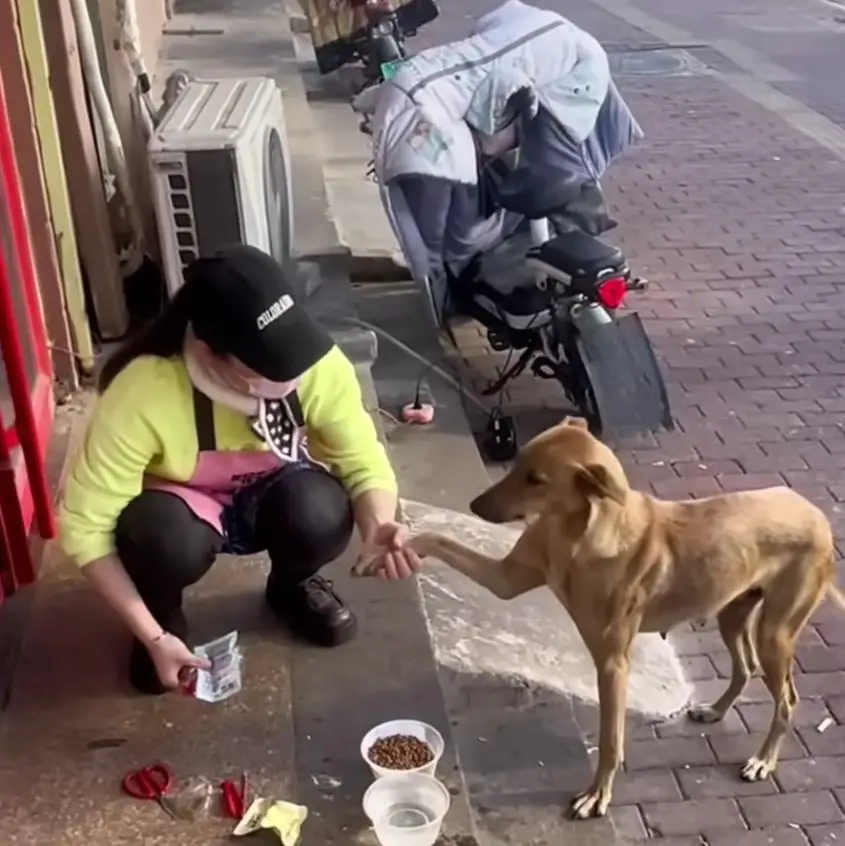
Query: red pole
x,y
14,544
10,341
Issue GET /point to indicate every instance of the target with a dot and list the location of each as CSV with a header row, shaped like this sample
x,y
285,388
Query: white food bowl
x,y
407,809
414,728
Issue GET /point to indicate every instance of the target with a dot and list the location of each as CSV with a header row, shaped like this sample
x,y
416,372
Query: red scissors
x,y
234,798
150,783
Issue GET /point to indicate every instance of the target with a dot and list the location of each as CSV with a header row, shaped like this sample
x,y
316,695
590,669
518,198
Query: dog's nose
x,y
477,507
483,508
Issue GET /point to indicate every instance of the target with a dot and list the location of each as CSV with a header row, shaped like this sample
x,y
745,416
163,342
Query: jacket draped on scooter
x,y
527,80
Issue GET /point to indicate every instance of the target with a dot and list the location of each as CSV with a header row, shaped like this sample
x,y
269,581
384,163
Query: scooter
x,y
384,42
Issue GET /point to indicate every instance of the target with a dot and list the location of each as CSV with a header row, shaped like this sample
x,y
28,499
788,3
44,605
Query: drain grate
x,y
658,58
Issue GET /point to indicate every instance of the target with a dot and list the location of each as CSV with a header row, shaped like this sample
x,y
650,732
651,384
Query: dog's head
x,y
565,469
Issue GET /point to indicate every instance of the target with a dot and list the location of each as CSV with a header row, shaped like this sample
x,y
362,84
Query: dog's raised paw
x,y
756,769
704,714
593,803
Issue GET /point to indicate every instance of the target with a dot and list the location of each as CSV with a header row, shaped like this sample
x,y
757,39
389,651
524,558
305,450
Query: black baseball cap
x,y
243,304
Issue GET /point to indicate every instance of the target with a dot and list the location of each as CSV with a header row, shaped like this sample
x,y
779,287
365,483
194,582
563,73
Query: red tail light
x,y
612,292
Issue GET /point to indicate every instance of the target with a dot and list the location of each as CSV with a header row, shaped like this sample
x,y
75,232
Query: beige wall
x,y
152,15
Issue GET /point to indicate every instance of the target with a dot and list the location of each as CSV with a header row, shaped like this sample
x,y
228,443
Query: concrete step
x,y
346,154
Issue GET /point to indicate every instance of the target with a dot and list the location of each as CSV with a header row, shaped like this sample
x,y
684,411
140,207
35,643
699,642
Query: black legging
x,y
304,521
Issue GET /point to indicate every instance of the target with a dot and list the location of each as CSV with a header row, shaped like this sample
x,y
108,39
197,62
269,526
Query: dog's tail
x,y
836,595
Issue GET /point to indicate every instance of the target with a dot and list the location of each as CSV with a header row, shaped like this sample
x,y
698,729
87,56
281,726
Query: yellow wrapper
x,y
283,818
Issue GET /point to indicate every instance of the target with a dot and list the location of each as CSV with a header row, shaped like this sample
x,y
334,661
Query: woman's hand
x,y
171,656
387,554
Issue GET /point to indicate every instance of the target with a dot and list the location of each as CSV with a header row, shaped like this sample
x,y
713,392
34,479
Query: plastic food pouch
x,y
284,819
224,679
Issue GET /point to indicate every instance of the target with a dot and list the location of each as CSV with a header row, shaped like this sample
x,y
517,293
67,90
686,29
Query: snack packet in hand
x,y
224,679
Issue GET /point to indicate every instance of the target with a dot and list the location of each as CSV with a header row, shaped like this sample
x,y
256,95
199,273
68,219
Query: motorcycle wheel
x,y
579,387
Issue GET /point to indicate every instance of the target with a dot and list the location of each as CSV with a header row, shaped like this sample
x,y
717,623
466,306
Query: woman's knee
x,y
158,538
306,517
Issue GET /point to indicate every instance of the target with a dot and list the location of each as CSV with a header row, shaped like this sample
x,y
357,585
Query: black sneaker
x,y
142,671
313,611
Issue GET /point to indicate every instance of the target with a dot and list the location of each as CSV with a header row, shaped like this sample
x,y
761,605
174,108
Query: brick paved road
x,y
740,223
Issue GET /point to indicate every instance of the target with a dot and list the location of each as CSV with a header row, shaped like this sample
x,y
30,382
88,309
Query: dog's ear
x,y
576,423
595,480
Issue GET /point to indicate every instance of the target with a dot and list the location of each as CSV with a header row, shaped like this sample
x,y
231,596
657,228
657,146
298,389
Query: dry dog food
x,y
401,752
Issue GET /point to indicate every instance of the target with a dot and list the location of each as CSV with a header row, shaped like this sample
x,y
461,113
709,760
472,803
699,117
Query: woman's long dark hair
x,y
163,338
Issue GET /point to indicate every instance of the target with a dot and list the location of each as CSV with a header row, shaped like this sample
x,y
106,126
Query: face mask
x,y
265,389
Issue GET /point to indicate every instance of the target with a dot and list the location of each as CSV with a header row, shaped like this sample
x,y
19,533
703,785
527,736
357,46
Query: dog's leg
x,y
612,684
735,626
791,690
748,643
776,650
786,610
506,578
788,605
611,659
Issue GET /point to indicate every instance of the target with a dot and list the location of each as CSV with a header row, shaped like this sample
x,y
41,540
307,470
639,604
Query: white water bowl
x,y
407,809
423,731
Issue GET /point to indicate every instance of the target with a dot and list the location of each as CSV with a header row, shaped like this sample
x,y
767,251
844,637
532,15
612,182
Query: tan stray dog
x,y
624,562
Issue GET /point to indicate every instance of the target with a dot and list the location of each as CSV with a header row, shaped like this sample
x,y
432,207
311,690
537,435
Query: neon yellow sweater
x,y
144,423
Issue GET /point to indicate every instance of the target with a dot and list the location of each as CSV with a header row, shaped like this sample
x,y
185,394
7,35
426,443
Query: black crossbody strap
x,y
204,422
295,408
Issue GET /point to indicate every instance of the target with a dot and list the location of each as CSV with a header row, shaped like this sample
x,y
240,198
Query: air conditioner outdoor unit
x,y
221,172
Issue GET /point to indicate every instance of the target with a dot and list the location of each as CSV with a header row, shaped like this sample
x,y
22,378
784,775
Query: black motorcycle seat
x,y
577,254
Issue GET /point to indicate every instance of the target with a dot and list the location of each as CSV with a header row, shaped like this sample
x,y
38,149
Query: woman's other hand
x,y
171,656
386,553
